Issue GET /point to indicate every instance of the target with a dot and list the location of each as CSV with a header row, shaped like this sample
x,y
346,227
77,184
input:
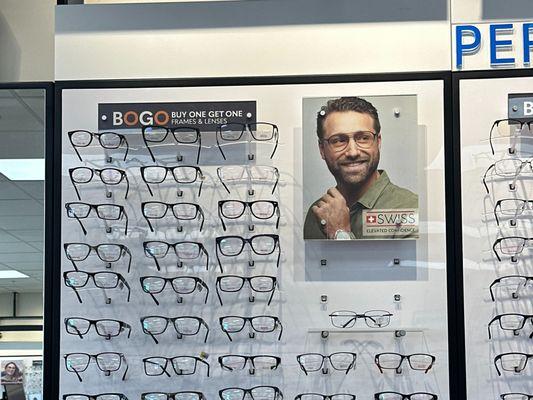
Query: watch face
x,y
342,235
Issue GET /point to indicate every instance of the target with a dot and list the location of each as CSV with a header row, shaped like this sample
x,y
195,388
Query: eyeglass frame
x,y
355,315
497,122
246,126
173,131
517,172
247,170
123,250
95,357
244,241
198,281
499,240
170,359
199,212
246,359
498,280
327,357
351,136
498,318
91,275
405,396
173,319
324,396
95,208
248,204
96,171
278,395
92,322
201,249
499,204
402,358
98,136
245,279
199,176
121,396
516,369
248,320
172,395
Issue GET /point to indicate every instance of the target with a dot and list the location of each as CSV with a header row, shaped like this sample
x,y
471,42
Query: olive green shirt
x,y
383,194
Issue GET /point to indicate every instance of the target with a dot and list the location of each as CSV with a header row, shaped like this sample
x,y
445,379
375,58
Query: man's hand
x,y
332,209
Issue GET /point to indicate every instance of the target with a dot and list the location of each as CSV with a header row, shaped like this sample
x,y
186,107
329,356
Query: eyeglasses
x,y
109,176
511,322
182,135
234,283
512,207
106,328
255,393
259,131
402,396
185,174
260,209
508,128
232,246
339,141
100,396
510,245
313,362
513,283
416,361
507,168
373,318
182,365
108,140
318,396
516,396
173,396
106,362
181,211
232,362
107,252
185,326
260,323
232,174
102,280
513,361
181,285
184,251
107,212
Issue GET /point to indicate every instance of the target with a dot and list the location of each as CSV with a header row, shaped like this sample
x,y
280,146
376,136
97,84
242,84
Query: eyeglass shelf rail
x,y
397,332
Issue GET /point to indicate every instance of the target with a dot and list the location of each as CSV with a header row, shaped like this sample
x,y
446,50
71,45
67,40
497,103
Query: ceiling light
x,y
11,274
26,169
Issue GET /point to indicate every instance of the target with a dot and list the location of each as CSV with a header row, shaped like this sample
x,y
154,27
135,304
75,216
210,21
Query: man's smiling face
x,y
353,165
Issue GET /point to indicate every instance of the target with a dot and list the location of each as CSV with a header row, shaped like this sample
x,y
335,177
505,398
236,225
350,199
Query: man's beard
x,y
364,172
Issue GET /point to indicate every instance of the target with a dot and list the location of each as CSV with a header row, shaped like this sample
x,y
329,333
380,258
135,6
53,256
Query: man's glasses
x,y
511,283
510,245
106,328
516,396
181,285
509,128
339,141
232,174
107,212
373,318
405,396
232,246
234,283
107,252
313,362
100,396
108,140
181,211
103,280
512,362
260,323
318,396
416,361
109,176
232,362
106,362
182,135
183,174
184,251
260,209
255,393
184,326
511,322
182,365
512,208
259,131
187,395
507,168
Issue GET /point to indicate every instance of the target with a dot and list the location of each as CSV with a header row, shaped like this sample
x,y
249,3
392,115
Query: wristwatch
x,y
342,235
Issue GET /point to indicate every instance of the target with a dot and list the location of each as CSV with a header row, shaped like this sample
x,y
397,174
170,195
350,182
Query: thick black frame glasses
x,y
516,396
416,361
183,174
516,281
260,209
116,212
99,396
511,207
257,283
106,328
157,366
105,175
235,323
507,168
254,173
79,279
512,361
184,250
513,322
114,252
508,123
107,140
261,391
232,362
233,132
233,246
373,318
339,142
180,284
515,243
340,361
84,359
182,135
184,395
319,396
177,322
182,211
405,396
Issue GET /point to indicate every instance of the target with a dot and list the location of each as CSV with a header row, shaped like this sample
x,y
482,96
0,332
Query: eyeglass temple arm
x,y
218,293
199,147
280,329
498,203
495,124
77,294
149,223
76,150
489,325
149,189
78,375
127,184
202,178
485,178
218,259
128,327
278,216
276,173
75,188
376,361
302,367
276,145
496,365
202,216
148,147
494,249
218,144
81,224
153,337
127,367
206,330
279,255
204,285
491,287
271,294
130,257
127,150
220,217
126,217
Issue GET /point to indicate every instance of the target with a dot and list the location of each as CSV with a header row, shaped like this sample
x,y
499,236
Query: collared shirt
x,y
383,194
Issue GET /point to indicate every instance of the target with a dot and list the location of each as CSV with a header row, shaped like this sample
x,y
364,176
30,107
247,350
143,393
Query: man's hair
x,y
343,104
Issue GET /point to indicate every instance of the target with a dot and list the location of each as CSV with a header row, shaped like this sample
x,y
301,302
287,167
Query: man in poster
x,y
364,204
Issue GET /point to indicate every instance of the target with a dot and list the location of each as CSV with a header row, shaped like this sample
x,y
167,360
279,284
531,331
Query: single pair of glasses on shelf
x,y
107,212
107,252
405,396
394,361
259,323
234,174
184,251
512,362
182,211
319,396
233,362
509,127
99,396
255,393
511,283
184,395
234,284
107,140
182,174
511,246
513,322
180,284
340,361
373,318
104,280
106,328
258,131
185,135
107,362
512,208
154,325
233,246
510,168
182,365
260,209
108,176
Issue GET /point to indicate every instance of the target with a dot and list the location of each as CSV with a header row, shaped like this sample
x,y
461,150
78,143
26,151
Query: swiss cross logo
x,y
370,219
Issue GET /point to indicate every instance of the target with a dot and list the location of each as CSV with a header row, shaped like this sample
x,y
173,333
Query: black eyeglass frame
x,y
92,322
498,121
278,395
248,204
98,396
95,357
170,360
249,321
499,240
199,212
515,175
246,279
324,358
516,369
201,250
326,396
96,171
246,360
197,284
123,250
98,135
172,395
498,280
91,276
244,127
199,176
173,131
201,323
248,241
122,212
402,358
406,396
498,318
